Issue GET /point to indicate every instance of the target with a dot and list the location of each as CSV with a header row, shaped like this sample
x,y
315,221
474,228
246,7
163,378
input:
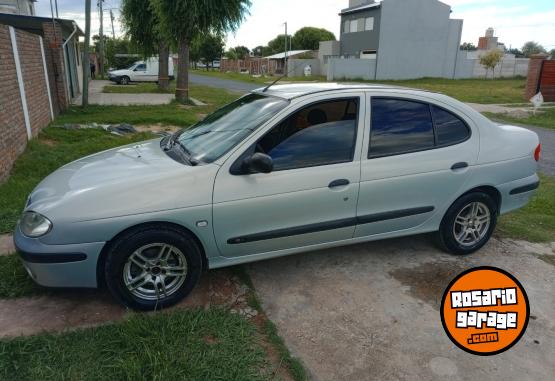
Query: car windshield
x,y
212,138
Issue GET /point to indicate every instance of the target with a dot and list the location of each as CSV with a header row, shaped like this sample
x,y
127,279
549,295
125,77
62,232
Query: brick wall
x,y
55,66
13,135
13,132
36,91
535,73
547,81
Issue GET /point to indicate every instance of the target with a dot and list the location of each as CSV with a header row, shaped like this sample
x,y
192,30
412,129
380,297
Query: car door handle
x,y
461,165
339,183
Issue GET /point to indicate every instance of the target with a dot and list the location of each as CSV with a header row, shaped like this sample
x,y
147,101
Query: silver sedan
x,y
280,171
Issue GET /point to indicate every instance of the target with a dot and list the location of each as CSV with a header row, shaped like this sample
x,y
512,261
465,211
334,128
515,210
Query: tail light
x,y
538,152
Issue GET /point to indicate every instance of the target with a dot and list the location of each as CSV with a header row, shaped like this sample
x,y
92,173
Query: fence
x,y
254,66
26,102
541,78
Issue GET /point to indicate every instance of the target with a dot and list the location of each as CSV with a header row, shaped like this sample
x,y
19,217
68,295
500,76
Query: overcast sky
x,y
515,21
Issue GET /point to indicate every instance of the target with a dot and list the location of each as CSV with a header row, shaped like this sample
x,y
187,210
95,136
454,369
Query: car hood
x,y
119,72
134,179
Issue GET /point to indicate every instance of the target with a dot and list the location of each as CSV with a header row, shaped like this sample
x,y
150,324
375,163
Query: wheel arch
x,y
152,225
491,191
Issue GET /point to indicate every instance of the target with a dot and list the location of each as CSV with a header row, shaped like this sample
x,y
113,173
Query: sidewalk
x,y
97,97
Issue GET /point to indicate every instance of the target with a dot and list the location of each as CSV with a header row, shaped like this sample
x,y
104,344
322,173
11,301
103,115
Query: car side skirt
x,y
329,225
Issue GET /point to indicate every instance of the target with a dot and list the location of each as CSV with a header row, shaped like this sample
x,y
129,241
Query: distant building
x,y
489,41
407,39
18,7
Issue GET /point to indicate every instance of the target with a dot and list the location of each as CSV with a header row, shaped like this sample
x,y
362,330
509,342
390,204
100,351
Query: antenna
x,y
280,78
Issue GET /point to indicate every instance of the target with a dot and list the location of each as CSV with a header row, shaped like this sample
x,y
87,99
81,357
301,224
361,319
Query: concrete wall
x,y
327,50
415,38
18,7
21,118
351,68
296,67
353,43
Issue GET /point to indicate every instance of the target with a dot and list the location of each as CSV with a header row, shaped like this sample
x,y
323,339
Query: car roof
x,y
296,90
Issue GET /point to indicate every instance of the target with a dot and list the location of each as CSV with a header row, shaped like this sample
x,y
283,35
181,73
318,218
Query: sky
x,y
514,21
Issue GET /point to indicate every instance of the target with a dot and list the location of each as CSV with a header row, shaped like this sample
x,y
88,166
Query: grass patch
x,y
269,329
53,148
536,221
14,281
545,118
183,345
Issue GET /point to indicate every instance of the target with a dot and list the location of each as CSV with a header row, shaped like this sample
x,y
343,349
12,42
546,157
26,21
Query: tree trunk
x,y
163,66
182,89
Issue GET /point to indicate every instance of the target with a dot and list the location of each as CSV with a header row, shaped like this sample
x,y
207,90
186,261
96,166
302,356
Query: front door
x,y
417,157
311,195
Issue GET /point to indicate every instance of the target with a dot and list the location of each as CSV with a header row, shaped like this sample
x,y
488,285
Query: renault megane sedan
x,y
282,170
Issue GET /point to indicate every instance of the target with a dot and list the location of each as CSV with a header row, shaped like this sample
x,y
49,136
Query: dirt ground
x,y
64,310
371,311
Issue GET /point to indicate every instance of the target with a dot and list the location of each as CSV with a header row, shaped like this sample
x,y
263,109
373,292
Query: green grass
x,y
545,118
183,345
535,222
14,281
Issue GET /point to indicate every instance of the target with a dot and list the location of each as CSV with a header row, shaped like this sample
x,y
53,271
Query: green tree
x,y
142,25
242,52
277,45
468,46
231,54
211,48
186,19
531,47
517,53
309,38
490,60
552,53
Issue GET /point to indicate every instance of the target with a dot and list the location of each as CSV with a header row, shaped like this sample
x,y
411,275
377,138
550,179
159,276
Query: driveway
x,y
97,97
371,311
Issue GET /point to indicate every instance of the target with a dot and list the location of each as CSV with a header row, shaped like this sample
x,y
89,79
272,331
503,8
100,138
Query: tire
x,y
461,237
139,274
125,80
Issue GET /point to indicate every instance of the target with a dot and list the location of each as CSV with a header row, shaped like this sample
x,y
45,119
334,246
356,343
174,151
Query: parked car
x,y
280,171
140,71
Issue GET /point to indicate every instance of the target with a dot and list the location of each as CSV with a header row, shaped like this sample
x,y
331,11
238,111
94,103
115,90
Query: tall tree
x,y
552,53
309,38
277,45
186,19
242,51
211,49
143,28
531,47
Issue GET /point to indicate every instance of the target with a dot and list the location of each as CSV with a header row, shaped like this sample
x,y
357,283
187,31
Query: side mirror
x,y
259,163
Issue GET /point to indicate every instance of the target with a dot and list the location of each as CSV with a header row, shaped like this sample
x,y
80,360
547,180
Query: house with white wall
x,y
18,7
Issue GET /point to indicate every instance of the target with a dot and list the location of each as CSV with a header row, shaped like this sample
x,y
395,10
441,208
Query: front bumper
x,y
59,265
114,78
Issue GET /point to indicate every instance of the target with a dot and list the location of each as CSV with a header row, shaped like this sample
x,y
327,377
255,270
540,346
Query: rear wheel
x,y
125,80
153,268
468,224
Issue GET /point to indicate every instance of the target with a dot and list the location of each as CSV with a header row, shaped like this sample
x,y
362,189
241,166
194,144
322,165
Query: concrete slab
x,y
6,244
371,311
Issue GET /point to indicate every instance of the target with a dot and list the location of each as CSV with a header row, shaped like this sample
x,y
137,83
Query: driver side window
x,y
323,133
141,67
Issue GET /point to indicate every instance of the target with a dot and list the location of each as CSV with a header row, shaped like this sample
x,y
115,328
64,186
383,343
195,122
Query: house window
x,y
347,27
369,23
354,26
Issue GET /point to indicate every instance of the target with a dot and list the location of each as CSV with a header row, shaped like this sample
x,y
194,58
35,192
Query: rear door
x,y
417,156
310,198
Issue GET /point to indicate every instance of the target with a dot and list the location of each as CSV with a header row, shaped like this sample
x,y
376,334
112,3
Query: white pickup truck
x,y
140,71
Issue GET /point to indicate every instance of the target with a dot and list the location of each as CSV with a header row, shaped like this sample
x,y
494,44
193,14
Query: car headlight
x,y
34,225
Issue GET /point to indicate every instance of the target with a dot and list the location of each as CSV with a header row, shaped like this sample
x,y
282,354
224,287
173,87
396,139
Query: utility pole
x,y
112,18
86,58
285,64
101,61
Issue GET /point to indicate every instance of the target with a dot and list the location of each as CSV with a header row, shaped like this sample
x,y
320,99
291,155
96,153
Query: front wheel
x,y
468,224
125,80
153,268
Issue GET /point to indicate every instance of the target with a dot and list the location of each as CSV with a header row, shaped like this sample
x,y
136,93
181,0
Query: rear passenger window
x,y
400,126
450,128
